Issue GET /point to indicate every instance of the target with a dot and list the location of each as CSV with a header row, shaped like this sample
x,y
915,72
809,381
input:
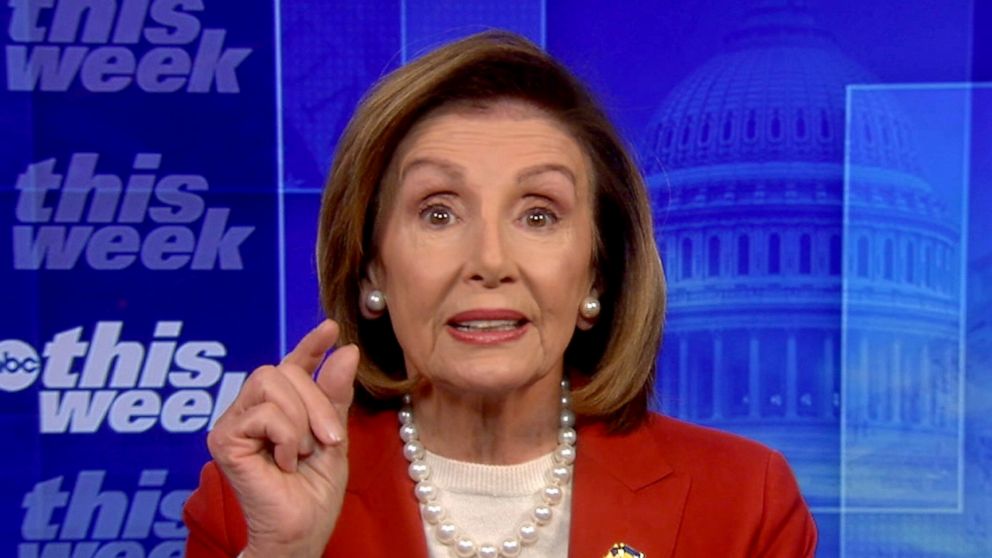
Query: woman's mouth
x,y
487,327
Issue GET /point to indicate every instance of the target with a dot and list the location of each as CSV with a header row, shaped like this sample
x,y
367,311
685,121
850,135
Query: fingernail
x,y
335,436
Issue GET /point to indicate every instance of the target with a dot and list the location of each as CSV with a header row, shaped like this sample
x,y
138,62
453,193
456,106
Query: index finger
x,y
310,351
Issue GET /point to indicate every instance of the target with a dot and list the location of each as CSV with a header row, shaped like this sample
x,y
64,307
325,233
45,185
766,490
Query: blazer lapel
x,y
624,491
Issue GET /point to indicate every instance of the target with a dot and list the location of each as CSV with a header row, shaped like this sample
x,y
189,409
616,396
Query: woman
x,y
486,250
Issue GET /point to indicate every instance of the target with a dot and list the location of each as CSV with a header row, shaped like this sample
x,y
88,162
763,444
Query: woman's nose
x,y
490,261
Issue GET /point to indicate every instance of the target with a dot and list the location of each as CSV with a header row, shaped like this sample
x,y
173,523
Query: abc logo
x,y
19,365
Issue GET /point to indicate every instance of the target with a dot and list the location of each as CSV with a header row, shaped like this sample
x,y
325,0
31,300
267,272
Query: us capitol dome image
x,y
771,298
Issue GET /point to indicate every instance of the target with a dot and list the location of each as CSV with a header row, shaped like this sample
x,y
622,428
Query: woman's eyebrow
x,y
531,172
453,171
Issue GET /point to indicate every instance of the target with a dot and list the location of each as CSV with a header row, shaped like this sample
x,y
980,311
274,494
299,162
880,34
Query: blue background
x,y
820,177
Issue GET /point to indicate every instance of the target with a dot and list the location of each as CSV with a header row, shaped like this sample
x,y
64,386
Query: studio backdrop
x,y
821,180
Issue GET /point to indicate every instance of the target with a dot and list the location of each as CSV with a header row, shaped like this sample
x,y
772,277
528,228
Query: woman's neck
x,y
499,430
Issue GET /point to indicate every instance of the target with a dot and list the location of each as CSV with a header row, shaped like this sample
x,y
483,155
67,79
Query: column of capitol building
x,y
745,162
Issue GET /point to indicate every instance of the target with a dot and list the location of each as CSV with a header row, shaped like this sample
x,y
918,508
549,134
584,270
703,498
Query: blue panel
x,y
332,53
904,295
302,298
137,258
918,265
429,23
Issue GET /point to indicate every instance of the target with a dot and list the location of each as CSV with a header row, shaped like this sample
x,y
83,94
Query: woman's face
x,y
485,247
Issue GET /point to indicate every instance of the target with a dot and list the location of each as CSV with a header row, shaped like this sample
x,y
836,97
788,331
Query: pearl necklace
x,y
435,515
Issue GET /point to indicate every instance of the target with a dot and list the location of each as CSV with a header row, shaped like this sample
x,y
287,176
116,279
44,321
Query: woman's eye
x,y
540,217
437,215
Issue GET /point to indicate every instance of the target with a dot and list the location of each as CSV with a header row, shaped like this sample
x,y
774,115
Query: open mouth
x,y
487,325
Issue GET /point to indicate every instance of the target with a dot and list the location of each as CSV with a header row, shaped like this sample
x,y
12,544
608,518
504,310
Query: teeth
x,y
487,325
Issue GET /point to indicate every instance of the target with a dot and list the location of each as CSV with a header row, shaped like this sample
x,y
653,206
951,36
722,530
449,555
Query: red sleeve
x,y
787,529
213,517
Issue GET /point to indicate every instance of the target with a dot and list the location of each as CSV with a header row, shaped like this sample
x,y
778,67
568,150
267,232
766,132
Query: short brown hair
x,y
614,362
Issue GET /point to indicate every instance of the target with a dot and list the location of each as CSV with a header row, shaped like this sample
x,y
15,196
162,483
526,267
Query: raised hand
x,y
283,443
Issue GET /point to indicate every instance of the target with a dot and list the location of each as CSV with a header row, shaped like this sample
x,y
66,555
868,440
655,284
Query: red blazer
x,y
668,489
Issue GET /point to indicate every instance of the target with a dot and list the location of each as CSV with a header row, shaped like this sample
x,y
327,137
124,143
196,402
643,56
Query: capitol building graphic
x,y
836,344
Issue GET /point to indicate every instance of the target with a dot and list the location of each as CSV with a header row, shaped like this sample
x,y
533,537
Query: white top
x,y
489,502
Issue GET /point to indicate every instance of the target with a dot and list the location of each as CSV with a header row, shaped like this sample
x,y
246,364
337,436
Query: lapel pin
x,y
621,550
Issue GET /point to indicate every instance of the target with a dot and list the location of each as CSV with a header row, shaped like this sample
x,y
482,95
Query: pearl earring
x,y
590,307
375,301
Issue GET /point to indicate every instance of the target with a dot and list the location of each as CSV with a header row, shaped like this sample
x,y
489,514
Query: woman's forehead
x,y
522,127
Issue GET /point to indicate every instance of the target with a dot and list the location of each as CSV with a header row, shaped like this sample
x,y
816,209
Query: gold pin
x,y
621,550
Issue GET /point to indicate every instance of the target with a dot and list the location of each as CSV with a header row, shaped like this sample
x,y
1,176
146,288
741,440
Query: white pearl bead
x,y
564,455
425,492
552,495
590,307
567,418
542,515
510,547
408,432
432,513
560,474
565,384
566,436
406,415
488,551
375,301
413,450
407,400
465,547
566,400
527,532
446,532
418,471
